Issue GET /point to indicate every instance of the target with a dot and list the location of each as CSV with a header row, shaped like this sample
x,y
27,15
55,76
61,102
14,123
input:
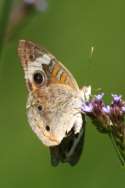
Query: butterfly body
x,y
54,103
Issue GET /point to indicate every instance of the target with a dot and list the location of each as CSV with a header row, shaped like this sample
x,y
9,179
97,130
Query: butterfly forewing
x,y
30,53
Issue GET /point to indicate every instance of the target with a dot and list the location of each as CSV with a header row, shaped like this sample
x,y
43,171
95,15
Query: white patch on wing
x,y
45,59
58,76
36,66
78,123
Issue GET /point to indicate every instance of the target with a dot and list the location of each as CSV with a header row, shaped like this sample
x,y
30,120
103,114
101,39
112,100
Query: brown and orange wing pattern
x,y
32,56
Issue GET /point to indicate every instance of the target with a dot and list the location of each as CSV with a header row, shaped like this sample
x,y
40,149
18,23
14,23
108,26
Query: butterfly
x,y
54,103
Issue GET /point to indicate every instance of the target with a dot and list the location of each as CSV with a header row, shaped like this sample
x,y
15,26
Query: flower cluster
x,y
108,115
108,118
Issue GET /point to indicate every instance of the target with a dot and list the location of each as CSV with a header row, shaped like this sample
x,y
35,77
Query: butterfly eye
x,y
38,77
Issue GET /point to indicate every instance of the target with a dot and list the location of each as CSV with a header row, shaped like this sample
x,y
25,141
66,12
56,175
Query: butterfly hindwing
x,y
70,148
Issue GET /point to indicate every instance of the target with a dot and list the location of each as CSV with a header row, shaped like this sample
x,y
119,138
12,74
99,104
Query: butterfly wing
x,y
34,57
70,148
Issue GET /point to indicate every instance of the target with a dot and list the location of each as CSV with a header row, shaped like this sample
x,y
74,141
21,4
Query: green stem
x,y
118,152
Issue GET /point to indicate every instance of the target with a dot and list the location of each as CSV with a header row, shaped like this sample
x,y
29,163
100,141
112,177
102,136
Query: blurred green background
x,y
68,29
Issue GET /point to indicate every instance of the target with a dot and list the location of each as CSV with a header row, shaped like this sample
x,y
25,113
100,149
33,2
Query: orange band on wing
x,y
63,77
56,69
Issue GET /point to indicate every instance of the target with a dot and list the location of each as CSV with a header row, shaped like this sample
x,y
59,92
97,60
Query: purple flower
x,y
123,109
41,5
106,109
87,107
116,98
99,97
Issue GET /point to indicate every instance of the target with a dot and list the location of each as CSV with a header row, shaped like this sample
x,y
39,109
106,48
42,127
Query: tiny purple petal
x,y
116,98
106,109
99,97
87,108
123,108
